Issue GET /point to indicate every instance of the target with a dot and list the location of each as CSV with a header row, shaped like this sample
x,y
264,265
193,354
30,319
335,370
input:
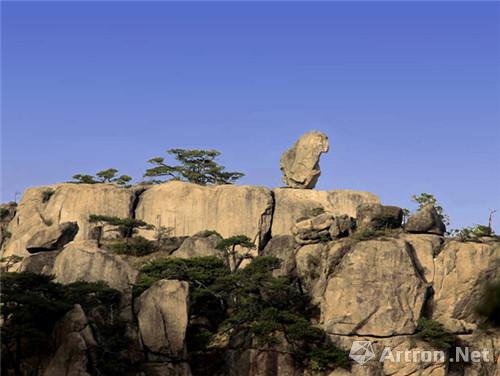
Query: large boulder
x,y
39,263
52,238
376,216
163,312
426,220
84,261
461,272
191,208
201,244
294,204
52,205
300,164
73,339
374,290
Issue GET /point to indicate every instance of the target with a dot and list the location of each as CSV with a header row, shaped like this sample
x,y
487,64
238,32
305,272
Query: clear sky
x,y
408,92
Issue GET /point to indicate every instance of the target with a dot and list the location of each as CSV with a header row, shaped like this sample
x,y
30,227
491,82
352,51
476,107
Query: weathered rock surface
x,y
73,338
426,220
300,164
461,272
283,247
293,204
52,238
162,314
40,263
167,369
313,230
487,342
83,261
352,302
376,216
199,245
342,226
190,208
67,203
426,248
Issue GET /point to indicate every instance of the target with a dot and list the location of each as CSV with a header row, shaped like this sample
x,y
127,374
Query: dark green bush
x,y
136,246
489,306
434,333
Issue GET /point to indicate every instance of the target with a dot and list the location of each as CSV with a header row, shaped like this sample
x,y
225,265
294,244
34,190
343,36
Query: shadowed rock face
x,y
52,238
300,164
376,216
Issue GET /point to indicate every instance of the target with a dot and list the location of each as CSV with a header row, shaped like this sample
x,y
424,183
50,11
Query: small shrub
x,y
47,194
434,333
330,356
136,246
4,212
489,306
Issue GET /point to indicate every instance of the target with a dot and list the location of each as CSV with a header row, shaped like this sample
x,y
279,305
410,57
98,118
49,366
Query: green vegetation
x,y
4,212
109,175
32,304
424,199
489,306
232,255
227,303
127,227
435,334
136,246
47,194
196,166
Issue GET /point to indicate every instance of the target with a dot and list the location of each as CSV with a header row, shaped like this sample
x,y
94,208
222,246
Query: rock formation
x,y
300,164
426,220
362,285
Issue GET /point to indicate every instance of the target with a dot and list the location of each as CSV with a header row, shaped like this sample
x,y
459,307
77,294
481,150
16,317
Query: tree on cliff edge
x,y
196,166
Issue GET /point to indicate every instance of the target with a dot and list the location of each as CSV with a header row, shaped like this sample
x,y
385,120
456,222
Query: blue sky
x,y
408,92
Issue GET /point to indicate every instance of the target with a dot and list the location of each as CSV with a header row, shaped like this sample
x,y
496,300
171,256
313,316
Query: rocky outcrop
x,y
461,272
162,314
300,164
373,269
294,204
190,208
376,216
52,238
426,220
199,245
323,227
84,261
42,207
73,340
